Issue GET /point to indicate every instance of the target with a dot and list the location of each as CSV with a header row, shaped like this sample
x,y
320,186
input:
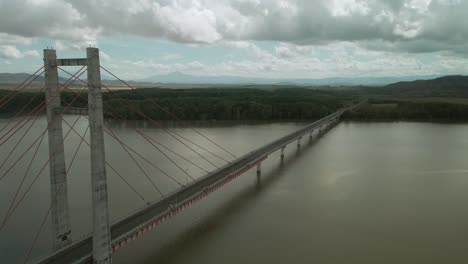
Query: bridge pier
x,y
282,153
259,173
58,180
299,143
101,230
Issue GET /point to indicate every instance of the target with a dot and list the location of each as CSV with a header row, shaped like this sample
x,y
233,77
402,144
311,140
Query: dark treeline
x,y
204,104
395,109
282,103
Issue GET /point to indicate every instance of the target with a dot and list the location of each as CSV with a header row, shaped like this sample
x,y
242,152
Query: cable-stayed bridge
x,y
106,237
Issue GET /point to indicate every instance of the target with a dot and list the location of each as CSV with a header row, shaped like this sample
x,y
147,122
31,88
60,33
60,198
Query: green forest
x,y
258,103
203,104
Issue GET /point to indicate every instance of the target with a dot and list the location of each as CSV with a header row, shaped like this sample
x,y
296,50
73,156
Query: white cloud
x,y
7,39
11,52
290,51
81,23
360,37
349,7
340,60
104,56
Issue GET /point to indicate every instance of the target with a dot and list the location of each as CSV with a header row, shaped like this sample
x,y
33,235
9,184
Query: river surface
x,y
362,193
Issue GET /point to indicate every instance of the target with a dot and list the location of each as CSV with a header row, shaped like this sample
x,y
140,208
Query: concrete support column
x,y
101,231
310,135
58,181
299,143
259,172
282,153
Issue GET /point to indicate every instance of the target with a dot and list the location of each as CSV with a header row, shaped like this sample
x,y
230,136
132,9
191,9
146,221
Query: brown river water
x,y
362,193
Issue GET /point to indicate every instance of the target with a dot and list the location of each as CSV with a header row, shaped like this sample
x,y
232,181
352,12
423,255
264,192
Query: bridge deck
x,y
150,217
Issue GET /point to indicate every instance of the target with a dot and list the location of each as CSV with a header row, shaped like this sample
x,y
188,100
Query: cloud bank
x,y
392,25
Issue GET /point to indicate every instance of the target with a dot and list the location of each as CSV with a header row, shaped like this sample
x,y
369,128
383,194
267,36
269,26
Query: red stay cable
x,y
166,111
171,132
10,120
17,88
23,179
157,123
34,181
167,148
28,254
165,155
27,150
126,146
36,237
35,110
18,142
108,164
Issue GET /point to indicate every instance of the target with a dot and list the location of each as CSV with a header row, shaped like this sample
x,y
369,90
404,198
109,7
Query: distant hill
x,y
17,78
11,79
447,86
182,78
14,79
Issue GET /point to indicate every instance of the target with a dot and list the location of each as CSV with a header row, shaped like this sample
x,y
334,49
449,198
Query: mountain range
x,y
446,86
182,78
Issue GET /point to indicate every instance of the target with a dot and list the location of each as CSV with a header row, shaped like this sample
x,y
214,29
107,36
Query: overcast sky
x,y
262,38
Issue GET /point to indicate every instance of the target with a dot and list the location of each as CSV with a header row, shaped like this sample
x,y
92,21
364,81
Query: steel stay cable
x,y
18,142
168,112
66,84
17,91
75,76
21,156
138,165
26,120
27,150
173,162
172,133
169,133
35,179
26,117
165,155
23,179
145,159
28,254
157,123
134,151
10,120
209,151
23,82
167,148
17,88
151,163
77,149
36,237
107,163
